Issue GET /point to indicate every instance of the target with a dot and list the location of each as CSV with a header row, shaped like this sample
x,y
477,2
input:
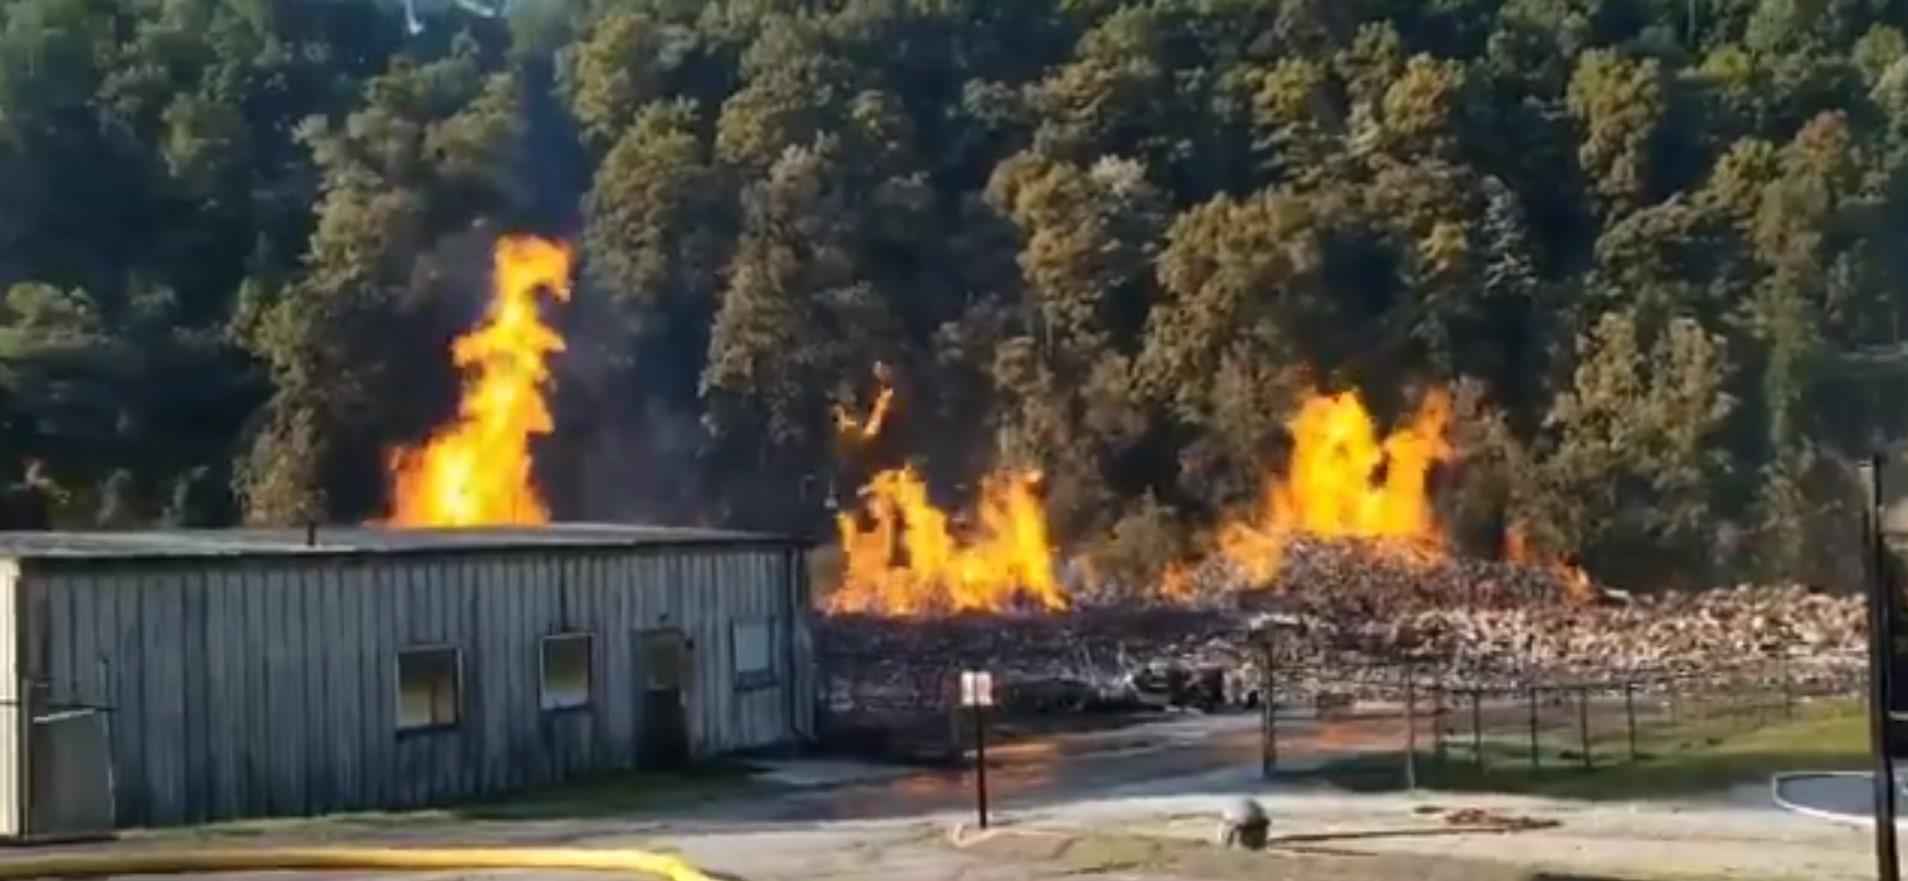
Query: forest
x,y
1653,249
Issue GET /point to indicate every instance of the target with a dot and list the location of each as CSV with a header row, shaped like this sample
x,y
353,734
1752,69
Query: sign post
x,y
1266,630
1268,712
977,694
1882,599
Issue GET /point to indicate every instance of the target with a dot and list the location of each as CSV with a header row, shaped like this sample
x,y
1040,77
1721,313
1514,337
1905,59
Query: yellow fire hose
x,y
184,861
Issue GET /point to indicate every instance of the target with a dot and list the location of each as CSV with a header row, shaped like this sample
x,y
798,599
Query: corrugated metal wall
x,y
13,716
267,686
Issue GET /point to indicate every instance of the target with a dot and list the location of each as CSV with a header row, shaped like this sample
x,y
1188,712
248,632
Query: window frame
x,y
457,688
589,672
765,676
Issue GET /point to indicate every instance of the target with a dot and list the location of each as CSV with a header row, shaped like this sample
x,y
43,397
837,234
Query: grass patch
x,y
611,795
329,828
1685,760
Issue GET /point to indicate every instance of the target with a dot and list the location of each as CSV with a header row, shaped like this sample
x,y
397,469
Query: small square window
x,y
428,685
752,644
566,671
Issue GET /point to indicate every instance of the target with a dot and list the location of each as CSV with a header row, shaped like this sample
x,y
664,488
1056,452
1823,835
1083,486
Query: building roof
x,y
363,540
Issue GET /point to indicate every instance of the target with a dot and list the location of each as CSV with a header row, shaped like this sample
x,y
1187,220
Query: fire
x,y
855,428
1344,481
1576,582
909,559
1178,582
477,470
1516,547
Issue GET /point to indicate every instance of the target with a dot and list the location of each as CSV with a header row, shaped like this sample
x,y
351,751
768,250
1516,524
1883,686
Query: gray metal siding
x,y
13,718
267,686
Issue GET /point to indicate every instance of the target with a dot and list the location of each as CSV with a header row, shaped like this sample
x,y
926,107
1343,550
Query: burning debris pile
x,y
902,556
1354,578
1346,481
1345,543
1472,624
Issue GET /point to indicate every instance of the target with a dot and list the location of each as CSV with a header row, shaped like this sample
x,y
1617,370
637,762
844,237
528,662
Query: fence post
x,y
1536,763
1477,728
1788,688
1758,702
1629,711
1583,722
1411,728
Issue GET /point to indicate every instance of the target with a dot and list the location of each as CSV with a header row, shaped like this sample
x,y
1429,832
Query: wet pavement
x,y
1106,793
1039,772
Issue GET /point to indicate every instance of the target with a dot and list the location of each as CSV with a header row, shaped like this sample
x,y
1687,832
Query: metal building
x,y
219,675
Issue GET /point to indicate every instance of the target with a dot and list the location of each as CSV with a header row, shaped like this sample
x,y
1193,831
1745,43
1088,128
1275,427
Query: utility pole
x,y
1881,590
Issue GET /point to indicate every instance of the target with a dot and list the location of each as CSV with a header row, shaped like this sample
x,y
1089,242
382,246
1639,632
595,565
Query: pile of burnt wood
x,y
1348,622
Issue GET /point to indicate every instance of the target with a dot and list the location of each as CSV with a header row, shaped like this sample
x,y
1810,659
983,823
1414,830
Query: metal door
x,y
664,677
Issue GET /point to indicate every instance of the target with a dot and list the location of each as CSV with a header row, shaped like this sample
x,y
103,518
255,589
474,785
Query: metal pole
x,y
1535,762
980,765
1583,722
1758,703
1788,688
1629,711
1268,714
1880,644
1477,728
1411,728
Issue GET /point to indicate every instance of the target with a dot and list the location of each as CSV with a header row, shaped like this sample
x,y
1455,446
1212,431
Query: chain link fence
x,y
1387,723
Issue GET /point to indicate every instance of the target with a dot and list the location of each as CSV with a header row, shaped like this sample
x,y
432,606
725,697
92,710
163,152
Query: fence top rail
x,y
1398,676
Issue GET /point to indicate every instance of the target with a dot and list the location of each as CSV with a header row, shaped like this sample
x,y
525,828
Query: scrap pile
x,y
1673,633
1352,618
1064,661
1350,578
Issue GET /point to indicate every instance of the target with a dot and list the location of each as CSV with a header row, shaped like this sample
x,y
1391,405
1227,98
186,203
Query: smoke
x,y
629,434
550,168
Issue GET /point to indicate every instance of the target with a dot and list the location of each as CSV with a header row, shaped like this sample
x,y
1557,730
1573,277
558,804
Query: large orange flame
x,y
910,560
1344,481
477,470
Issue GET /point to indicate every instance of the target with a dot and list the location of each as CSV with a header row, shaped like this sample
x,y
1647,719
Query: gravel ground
x,y
1738,834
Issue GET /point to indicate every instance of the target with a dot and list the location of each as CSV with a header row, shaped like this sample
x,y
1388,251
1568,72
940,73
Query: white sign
x,y
977,688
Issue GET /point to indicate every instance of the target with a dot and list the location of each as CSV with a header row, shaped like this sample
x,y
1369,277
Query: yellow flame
x,y
1343,481
868,429
902,556
476,471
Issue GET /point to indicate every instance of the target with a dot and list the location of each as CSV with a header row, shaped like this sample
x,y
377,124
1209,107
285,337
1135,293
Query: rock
x,y
1243,824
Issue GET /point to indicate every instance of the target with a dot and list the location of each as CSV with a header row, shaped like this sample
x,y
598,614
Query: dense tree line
x,y
1656,246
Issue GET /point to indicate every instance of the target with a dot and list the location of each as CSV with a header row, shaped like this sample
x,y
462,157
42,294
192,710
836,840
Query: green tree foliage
x,y
1652,247
1633,452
